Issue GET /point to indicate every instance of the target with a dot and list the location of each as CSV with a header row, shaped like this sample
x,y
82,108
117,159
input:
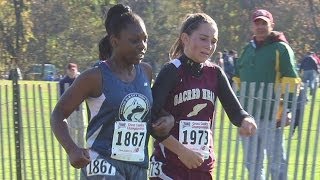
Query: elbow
x,y
56,118
53,120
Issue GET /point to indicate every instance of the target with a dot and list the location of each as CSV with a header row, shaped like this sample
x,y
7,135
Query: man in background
x,y
309,70
218,59
267,58
71,74
228,61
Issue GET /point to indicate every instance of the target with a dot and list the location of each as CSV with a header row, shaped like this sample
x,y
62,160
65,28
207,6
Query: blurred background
x,y
42,36
39,38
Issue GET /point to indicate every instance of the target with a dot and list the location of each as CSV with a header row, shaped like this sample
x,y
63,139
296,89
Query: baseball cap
x,y
72,66
262,14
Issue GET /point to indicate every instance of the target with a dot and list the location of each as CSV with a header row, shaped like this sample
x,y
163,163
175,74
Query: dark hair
x,y
232,52
189,25
104,48
118,17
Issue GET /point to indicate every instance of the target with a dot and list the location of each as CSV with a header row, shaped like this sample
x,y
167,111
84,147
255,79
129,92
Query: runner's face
x,y
200,45
132,44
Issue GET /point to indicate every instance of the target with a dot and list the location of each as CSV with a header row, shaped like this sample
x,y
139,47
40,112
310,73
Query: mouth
x,y
261,31
205,54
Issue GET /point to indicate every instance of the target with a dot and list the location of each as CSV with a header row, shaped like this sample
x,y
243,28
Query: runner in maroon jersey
x,y
187,87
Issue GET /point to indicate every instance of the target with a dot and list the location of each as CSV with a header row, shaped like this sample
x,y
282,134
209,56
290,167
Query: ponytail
x,y
176,49
105,48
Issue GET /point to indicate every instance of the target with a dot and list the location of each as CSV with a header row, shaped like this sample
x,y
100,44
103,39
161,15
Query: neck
x,y
259,39
125,72
72,76
119,65
193,67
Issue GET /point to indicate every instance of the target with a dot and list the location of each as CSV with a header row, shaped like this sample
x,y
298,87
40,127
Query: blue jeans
x,y
268,140
310,76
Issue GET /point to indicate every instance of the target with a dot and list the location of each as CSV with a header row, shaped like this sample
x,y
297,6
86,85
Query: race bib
x,y
100,167
196,136
155,169
128,142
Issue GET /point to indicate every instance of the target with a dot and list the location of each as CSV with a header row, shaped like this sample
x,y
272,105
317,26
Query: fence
x,y
29,150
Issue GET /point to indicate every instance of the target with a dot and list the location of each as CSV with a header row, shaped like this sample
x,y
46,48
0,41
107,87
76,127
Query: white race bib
x,y
128,142
100,167
196,136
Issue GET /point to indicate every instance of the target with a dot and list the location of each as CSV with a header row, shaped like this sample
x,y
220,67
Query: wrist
x,y
181,150
248,118
71,148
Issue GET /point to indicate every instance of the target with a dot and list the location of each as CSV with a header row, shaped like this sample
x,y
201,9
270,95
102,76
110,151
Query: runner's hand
x,y
248,127
79,157
190,158
163,125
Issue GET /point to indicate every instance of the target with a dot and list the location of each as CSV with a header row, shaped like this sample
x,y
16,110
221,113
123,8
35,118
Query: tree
x,y
62,31
13,31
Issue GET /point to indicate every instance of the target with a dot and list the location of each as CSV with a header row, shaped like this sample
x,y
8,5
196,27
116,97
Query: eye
x,y
134,40
214,41
145,39
139,39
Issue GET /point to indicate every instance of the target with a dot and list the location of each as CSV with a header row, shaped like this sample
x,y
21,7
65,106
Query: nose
x,y
209,45
260,25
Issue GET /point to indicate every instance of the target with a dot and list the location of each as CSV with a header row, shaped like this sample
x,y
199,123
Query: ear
x,y
113,41
185,38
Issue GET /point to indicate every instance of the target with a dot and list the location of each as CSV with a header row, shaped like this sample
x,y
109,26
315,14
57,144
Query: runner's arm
x,y
164,83
229,100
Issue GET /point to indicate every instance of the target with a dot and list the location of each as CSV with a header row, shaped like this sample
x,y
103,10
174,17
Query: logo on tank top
x,y
194,94
134,107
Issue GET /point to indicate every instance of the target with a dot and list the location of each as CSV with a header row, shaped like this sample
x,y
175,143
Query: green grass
x,y
45,159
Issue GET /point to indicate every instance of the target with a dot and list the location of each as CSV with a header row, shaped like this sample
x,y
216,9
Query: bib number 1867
x,y
128,142
129,138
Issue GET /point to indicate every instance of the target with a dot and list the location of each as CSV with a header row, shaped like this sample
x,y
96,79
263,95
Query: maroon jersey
x,y
193,99
188,91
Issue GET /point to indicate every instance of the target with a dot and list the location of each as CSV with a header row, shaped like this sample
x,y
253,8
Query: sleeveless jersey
x,y
119,116
192,103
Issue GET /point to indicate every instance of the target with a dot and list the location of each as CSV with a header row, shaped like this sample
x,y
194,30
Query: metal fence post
x,y
17,120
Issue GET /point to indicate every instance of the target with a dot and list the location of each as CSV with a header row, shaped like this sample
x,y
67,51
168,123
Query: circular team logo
x,y
134,107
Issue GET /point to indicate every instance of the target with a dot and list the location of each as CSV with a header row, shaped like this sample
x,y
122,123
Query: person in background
x,y
309,70
119,97
234,55
219,60
188,87
267,58
228,61
14,70
71,74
